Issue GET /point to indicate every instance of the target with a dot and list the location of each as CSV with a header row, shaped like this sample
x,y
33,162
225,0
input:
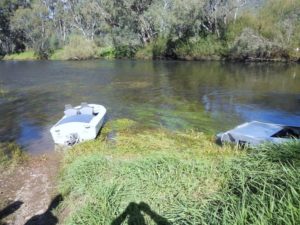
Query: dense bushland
x,y
190,29
156,176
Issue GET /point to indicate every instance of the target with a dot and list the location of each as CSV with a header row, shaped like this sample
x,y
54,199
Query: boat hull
x,y
255,133
68,130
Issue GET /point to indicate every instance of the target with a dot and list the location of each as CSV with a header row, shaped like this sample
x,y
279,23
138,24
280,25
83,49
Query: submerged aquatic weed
x,y
175,113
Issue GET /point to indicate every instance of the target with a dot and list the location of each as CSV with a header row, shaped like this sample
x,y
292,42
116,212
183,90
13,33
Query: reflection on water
x,y
208,96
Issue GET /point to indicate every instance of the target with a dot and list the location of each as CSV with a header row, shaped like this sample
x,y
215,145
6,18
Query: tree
x,y
34,23
10,41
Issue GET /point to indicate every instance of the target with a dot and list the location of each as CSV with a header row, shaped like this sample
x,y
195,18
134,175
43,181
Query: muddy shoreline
x,y
29,190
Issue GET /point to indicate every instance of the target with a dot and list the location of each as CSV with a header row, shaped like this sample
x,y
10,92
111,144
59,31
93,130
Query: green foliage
x,y
261,188
79,48
107,52
119,51
10,155
154,50
200,48
28,55
192,29
123,51
179,178
251,46
118,125
57,55
33,21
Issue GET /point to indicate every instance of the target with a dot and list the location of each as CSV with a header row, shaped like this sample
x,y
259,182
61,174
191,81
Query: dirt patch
x,y
29,192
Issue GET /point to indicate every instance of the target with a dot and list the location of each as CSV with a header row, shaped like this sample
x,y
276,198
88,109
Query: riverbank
x,y
156,176
107,54
29,188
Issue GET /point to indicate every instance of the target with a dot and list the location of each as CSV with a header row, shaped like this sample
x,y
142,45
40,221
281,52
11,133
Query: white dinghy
x,y
80,123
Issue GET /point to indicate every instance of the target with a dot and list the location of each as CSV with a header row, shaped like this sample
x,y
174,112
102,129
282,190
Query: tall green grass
x,y
262,187
156,176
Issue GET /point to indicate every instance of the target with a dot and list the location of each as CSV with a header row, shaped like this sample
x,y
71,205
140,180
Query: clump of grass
x,y
27,55
259,188
77,49
10,155
179,178
169,185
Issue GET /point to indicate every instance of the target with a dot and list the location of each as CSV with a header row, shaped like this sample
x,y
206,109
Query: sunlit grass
x,y
27,55
181,176
169,171
10,155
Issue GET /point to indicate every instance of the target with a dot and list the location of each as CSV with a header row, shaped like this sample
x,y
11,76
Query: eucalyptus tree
x,y
10,40
35,23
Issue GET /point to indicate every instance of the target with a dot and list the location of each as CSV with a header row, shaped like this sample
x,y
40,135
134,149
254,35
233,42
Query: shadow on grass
x,y
46,218
135,217
10,209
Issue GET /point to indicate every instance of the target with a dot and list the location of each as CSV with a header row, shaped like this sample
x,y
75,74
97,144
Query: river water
x,y
206,96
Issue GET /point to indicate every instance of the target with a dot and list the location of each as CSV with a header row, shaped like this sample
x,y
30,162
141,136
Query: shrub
x,y
125,51
199,47
107,52
157,49
252,46
79,48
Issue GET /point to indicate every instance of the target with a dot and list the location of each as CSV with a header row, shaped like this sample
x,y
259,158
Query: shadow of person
x,y
135,217
10,209
46,218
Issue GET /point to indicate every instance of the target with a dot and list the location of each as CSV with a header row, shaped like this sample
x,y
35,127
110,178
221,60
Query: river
x,y
206,96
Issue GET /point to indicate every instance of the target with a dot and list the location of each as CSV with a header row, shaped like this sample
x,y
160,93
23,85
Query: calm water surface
x,y
207,96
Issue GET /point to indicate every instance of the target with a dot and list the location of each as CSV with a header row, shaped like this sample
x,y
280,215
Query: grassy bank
x,y
27,55
156,176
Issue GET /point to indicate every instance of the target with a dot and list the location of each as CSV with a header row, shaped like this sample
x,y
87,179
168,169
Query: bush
x,y
252,46
79,48
107,52
125,51
157,49
198,47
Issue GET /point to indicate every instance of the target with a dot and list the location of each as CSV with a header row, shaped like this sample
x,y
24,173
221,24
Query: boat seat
x,y
86,109
71,112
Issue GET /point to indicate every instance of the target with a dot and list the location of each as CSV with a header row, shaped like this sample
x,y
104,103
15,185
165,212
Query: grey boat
x,y
255,133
